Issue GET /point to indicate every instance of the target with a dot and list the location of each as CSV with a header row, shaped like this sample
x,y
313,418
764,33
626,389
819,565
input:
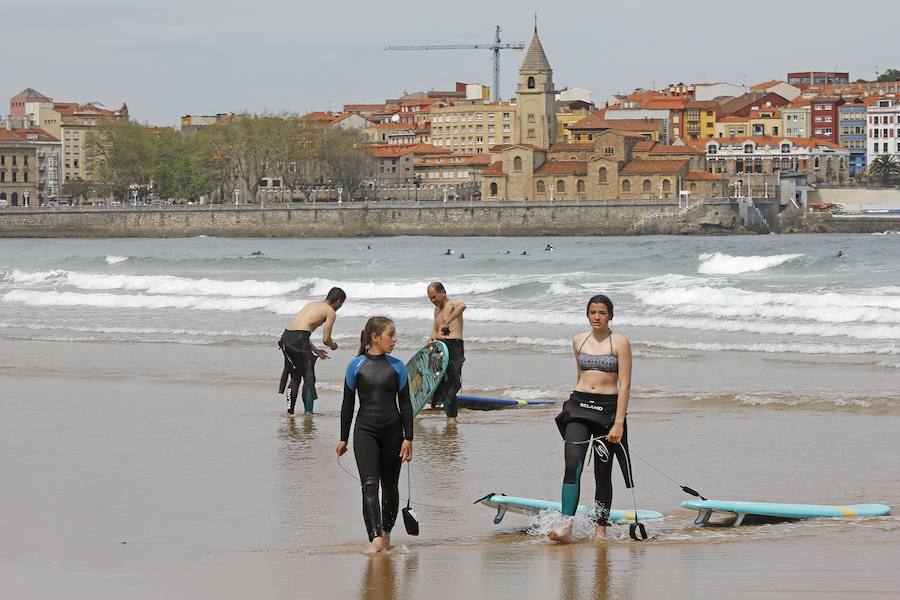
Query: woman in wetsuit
x,y
596,409
382,438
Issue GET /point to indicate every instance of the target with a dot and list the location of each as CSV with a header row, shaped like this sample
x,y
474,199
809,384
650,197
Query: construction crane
x,y
494,47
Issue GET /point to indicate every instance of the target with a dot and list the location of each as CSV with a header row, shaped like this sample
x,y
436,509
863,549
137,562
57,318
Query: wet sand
x,y
138,484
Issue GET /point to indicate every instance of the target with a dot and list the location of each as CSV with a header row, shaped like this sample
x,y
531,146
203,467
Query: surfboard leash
x,y
684,488
417,503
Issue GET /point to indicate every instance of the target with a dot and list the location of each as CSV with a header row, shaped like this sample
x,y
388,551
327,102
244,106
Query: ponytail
x,y
374,326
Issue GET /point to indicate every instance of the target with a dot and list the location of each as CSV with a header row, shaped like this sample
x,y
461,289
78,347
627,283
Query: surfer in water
x,y
382,438
593,418
448,328
299,353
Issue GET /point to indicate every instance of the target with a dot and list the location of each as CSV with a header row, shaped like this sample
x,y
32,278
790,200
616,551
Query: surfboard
x,y
487,403
775,510
529,506
426,368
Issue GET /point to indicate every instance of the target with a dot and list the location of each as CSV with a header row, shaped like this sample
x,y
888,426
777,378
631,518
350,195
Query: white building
x,y
711,91
574,94
883,128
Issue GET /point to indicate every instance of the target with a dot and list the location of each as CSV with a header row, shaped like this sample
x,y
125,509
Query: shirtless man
x,y
299,353
448,328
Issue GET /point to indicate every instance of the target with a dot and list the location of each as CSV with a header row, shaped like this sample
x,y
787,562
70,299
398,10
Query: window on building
x,y
517,163
608,150
645,186
666,185
531,133
604,177
531,117
580,186
561,186
748,148
540,186
531,83
626,185
506,116
493,189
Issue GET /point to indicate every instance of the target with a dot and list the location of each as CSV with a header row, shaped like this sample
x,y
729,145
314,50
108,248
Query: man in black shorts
x,y
448,328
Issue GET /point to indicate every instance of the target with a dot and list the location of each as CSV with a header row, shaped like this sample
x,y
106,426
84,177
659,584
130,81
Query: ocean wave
x,y
114,260
719,263
796,313
653,293
773,348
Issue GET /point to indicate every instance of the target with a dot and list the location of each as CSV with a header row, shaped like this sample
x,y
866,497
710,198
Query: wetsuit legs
x,y
309,382
299,364
378,460
576,448
452,382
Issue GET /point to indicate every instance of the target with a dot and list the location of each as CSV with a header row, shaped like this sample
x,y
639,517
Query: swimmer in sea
x,y
449,252
383,435
596,408
299,353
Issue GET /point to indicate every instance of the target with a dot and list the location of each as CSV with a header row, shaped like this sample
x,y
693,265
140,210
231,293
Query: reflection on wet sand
x,y
380,581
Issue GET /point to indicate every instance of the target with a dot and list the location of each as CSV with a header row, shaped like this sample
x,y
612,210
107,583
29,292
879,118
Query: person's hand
x,y
320,353
406,451
333,345
341,448
615,433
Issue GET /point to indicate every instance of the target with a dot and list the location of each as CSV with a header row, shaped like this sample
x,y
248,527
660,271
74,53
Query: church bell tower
x,y
536,97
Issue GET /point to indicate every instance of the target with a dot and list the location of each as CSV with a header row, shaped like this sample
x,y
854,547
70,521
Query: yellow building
x,y
700,118
729,127
766,121
77,121
473,126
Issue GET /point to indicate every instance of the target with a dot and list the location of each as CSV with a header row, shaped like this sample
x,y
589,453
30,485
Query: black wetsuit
x,y
585,415
450,385
299,365
384,420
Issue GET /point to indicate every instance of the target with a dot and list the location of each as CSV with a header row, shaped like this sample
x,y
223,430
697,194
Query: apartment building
x,y
18,170
852,135
883,123
473,126
78,121
825,118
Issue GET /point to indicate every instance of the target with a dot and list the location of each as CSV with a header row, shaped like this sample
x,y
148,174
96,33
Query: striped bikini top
x,y
598,362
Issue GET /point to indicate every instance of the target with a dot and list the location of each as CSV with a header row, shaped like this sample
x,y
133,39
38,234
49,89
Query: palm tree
x,y
885,167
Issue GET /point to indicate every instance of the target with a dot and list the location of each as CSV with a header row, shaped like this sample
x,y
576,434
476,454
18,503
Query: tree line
x,y
126,159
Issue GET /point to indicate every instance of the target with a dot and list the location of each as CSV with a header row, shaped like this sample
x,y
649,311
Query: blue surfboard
x,y
530,506
487,403
776,510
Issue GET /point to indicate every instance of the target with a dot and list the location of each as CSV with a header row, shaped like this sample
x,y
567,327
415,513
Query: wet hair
x,y
335,294
600,299
437,286
374,326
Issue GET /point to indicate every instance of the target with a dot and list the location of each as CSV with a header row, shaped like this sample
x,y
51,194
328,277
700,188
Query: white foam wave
x,y
796,313
719,263
113,260
417,289
774,348
655,294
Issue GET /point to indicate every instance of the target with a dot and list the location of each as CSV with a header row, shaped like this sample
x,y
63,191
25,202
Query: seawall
x,y
432,219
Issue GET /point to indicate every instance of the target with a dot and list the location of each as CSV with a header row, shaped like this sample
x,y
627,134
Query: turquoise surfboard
x,y
426,368
775,510
530,506
487,403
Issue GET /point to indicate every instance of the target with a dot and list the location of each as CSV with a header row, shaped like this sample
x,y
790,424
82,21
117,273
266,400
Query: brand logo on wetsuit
x,y
590,406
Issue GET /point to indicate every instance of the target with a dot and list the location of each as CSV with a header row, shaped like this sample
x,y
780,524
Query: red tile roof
x,y
702,176
653,167
562,167
36,134
395,150
494,169
502,147
572,147
661,149
644,146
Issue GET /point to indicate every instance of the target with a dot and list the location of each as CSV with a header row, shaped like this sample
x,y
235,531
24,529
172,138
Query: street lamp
x,y
237,196
25,196
134,195
416,179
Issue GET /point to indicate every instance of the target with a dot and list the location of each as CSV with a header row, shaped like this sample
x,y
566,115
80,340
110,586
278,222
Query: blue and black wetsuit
x,y
299,365
384,420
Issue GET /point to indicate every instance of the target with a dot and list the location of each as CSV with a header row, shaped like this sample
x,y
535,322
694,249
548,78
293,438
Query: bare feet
x,y
377,545
563,533
451,421
386,536
600,534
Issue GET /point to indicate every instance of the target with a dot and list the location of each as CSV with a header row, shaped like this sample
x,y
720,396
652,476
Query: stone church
x,y
616,164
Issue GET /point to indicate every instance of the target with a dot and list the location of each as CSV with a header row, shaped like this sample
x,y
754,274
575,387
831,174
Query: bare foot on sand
x,y
563,533
600,533
451,421
376,546
386,536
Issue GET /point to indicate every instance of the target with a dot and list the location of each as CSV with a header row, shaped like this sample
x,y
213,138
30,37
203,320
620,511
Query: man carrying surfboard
x,y
448,328
299,353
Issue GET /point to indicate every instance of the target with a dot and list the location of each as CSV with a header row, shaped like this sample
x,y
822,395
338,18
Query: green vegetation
x,y
890,75
126,157
884,167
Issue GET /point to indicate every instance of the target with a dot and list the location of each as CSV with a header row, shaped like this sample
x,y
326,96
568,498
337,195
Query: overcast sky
x,y
167,58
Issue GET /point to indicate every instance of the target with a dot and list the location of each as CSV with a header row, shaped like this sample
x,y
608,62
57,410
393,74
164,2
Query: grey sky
x,y
167,58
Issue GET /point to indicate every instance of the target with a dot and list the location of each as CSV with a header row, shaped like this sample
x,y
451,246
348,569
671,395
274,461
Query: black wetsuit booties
x,y
300,365
384,420
450,385
585,415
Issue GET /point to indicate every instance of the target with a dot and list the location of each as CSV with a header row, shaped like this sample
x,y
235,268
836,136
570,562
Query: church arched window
x,y
531,83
